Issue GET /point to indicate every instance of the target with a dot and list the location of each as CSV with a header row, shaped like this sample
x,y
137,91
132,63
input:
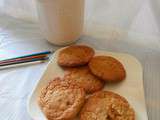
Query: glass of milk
x,y
61,21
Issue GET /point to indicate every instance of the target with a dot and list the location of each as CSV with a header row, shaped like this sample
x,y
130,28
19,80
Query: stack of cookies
x,y
79,92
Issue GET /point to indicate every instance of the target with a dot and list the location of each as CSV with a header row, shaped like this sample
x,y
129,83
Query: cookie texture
x,y
75,55
61,100
107,105
82,77
107,68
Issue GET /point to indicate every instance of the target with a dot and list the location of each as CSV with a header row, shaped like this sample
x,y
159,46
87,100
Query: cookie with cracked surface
x,y
82,77
107,68
75,55
60,100
107,105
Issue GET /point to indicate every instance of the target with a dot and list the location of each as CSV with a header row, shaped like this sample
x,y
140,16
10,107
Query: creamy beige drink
x,y
61,21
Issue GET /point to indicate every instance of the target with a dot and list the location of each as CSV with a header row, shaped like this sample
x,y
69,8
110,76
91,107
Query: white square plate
x,y
131,88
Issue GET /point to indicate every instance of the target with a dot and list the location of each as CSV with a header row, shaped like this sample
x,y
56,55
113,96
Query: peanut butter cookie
x,y
107,68
60,100
107,105
75,55
82,77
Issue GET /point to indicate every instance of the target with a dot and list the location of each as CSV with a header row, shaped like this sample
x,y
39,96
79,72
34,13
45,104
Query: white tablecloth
x,y
18,37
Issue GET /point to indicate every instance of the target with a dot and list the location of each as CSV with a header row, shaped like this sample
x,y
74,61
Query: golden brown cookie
x,y
107,105
107,68
84,78
75,55
60,100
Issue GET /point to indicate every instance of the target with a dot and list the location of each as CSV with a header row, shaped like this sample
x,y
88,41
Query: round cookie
x,y
107,68
75,55
60,100
107,105
82,77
